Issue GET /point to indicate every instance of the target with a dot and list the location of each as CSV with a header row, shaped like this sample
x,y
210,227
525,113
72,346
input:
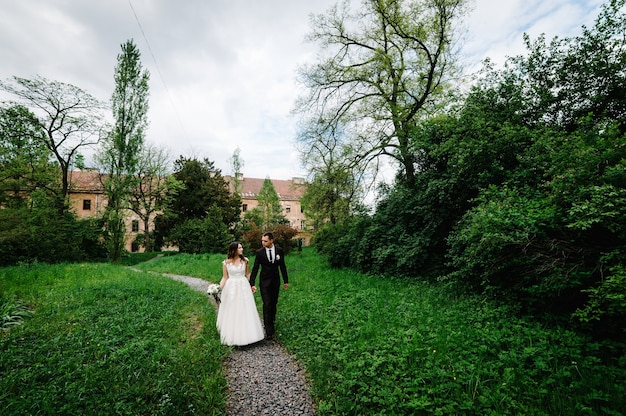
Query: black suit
x,y
269,282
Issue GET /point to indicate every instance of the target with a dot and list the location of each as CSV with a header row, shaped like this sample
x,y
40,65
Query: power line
x,y
158,68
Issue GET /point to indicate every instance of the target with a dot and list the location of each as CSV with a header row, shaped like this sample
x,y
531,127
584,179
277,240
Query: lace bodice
x,y
236,271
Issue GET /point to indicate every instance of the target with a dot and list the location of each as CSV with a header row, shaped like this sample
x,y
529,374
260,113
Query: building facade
x,y
289,192
88,200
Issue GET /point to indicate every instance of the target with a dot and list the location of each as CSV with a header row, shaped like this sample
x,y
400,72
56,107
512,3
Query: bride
x,y
237,318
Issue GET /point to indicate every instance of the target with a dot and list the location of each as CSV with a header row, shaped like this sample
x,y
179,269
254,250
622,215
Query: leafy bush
x,y
283,236
252,237
404,237
605,312
205,235
45,236
341,242
504,241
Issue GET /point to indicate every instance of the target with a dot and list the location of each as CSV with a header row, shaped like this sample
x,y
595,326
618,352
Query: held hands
x,y
285,287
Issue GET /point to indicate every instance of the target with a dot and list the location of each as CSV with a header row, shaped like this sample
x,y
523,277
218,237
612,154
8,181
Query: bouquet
x,y
215,290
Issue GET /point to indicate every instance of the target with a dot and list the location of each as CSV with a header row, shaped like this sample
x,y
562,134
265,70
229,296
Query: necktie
x,y
270,255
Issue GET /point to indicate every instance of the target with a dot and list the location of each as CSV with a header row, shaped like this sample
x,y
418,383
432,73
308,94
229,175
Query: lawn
x,y
105,339
396,347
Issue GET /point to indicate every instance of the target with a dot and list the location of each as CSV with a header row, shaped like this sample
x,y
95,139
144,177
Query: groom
x,y
271,259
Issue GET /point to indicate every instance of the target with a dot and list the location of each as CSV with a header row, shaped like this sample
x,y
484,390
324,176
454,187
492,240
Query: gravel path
x,y
263,378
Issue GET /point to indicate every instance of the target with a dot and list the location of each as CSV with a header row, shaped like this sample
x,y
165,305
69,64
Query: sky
x,y
223,72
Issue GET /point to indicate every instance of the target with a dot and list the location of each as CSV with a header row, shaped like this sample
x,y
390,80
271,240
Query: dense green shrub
x,y
405,237
515,246
544,246
342,243
46,236
605,312
202,235
283,236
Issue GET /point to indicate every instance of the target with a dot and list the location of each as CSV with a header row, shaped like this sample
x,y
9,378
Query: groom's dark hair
x,y
269,235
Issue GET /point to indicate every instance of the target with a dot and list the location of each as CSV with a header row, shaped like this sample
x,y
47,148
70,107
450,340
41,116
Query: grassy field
x,y
387,346
108,340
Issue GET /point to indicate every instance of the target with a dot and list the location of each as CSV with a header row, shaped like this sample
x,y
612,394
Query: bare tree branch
x,y
383,65
71,118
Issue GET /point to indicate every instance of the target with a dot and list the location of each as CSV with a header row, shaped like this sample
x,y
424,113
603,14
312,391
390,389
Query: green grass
x,y
205,266
13,312
132,259
392,347
107,340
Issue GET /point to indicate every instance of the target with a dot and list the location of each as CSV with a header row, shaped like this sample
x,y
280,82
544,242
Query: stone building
x,y
87,199
289,192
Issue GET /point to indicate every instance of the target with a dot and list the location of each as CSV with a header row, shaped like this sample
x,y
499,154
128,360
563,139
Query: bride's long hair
x,y
232,251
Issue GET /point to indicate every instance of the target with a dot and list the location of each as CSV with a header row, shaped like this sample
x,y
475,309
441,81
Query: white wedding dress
x,y
237,318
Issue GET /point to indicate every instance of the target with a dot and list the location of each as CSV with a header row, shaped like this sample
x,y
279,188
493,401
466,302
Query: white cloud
x,y
496,27
224,76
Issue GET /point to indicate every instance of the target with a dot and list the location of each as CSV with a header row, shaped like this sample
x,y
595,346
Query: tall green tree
x,y
31,227
25,160
568,79
123,147
522,188
202,213
69,120
381,69
204,188
548,232
236,165
269,205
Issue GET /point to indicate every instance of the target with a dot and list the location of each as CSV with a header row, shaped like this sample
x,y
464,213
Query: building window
x,y
135,226
87,204
302,225
244,207
288,209
301,210
134,247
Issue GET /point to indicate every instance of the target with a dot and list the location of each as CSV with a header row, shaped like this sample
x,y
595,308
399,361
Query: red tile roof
x,y
85,181
287,190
